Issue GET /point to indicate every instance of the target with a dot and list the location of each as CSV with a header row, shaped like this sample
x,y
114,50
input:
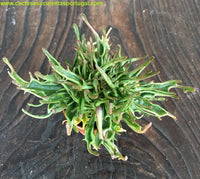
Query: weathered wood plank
x,y
32,148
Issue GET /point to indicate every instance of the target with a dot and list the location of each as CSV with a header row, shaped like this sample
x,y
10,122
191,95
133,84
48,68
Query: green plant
x,y
98,92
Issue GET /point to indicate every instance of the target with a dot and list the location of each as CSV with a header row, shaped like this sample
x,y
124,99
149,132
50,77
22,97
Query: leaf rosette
x,y
98,92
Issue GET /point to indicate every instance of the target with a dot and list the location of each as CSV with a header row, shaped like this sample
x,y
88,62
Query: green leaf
x,y
133,125
35,105
147,75
70,112
90,138
105,76
76,31
113,150
82,104
51,58
14,75
186,88
113,62
121,60
138,70
55,98
83,16
61,71
48,78
41,86
152,109
164,86
70,92
68,75
37,116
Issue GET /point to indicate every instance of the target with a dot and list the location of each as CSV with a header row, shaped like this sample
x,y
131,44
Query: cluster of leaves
x,y
98,91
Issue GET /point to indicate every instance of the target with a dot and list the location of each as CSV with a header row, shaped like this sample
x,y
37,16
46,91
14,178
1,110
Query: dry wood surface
x,y
166,29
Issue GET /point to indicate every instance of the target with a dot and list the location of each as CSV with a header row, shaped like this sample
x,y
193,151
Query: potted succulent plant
x,y
98,92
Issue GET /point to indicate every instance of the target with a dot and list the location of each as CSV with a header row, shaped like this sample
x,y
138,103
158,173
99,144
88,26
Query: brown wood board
x,y
169,30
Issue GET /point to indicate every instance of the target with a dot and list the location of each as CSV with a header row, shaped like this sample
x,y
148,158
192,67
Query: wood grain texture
x,y
169,30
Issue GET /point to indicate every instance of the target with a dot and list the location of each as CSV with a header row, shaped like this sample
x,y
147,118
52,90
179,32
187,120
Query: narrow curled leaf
x,y
136,72
48,78
41,86
105,76
76,31
35,105
61,71
37,116
14,75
